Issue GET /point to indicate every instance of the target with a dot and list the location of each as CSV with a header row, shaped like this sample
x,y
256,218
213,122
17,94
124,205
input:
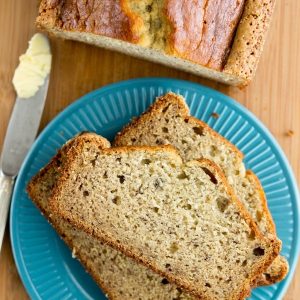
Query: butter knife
x,y
21,132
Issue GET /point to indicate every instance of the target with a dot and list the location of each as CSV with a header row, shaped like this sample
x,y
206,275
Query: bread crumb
x,y
215,115
74,253
290,132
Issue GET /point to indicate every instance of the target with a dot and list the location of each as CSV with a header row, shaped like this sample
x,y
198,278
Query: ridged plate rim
x,y
171,84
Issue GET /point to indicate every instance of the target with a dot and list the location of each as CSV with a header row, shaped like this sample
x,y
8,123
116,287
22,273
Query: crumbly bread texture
x,y
201,37
168,121
119,276
176,218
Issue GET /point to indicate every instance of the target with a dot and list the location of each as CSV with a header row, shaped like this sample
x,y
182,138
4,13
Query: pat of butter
x,y
33,68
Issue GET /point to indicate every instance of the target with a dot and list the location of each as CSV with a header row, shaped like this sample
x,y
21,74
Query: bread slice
x,y
173,217
117,275
222,42
168,121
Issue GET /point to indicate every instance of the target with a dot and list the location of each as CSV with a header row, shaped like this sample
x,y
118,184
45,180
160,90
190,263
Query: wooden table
x,y
77,69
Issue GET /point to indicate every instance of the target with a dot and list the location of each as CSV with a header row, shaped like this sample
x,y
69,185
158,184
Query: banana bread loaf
x,y
219,39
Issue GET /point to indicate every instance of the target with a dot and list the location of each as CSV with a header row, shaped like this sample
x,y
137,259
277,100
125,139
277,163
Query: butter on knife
x,y
34,66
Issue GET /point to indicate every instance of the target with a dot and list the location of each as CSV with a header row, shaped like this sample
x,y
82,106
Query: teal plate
x,y
45,264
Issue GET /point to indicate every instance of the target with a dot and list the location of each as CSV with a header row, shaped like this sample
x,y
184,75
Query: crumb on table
x,y
290,132
215,115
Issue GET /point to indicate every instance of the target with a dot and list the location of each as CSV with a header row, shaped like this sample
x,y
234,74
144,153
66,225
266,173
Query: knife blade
x,y
22,129
21,132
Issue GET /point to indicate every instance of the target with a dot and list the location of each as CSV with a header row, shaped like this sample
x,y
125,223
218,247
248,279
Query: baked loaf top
x,y
105,17
200,31
169,215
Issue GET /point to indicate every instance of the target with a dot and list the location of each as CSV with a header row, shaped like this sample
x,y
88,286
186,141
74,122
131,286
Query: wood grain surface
x,y
274,95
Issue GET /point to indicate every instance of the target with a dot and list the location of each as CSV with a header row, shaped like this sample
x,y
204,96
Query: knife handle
x,y
6,186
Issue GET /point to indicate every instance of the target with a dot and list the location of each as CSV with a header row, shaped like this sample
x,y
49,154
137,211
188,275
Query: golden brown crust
x,y
203,30
106,18
181,282
249,39
157,107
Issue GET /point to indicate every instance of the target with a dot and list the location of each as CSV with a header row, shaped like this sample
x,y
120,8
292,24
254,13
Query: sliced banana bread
x,y
117,275
180,219
168,121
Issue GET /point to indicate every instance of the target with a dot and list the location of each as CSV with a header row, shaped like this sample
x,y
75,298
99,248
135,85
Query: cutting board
x,y
77,69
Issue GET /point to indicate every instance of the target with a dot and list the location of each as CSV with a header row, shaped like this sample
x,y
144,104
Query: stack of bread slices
x,y
169,212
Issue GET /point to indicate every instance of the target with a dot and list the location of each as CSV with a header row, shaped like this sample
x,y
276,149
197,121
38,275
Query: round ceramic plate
x,y
45,264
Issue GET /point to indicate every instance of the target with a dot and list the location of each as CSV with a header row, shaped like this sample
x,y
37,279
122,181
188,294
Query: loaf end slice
x,y
168,121
168,215
250,39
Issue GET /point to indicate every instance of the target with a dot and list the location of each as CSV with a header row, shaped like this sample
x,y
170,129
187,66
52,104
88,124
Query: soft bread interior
x,y
166,214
